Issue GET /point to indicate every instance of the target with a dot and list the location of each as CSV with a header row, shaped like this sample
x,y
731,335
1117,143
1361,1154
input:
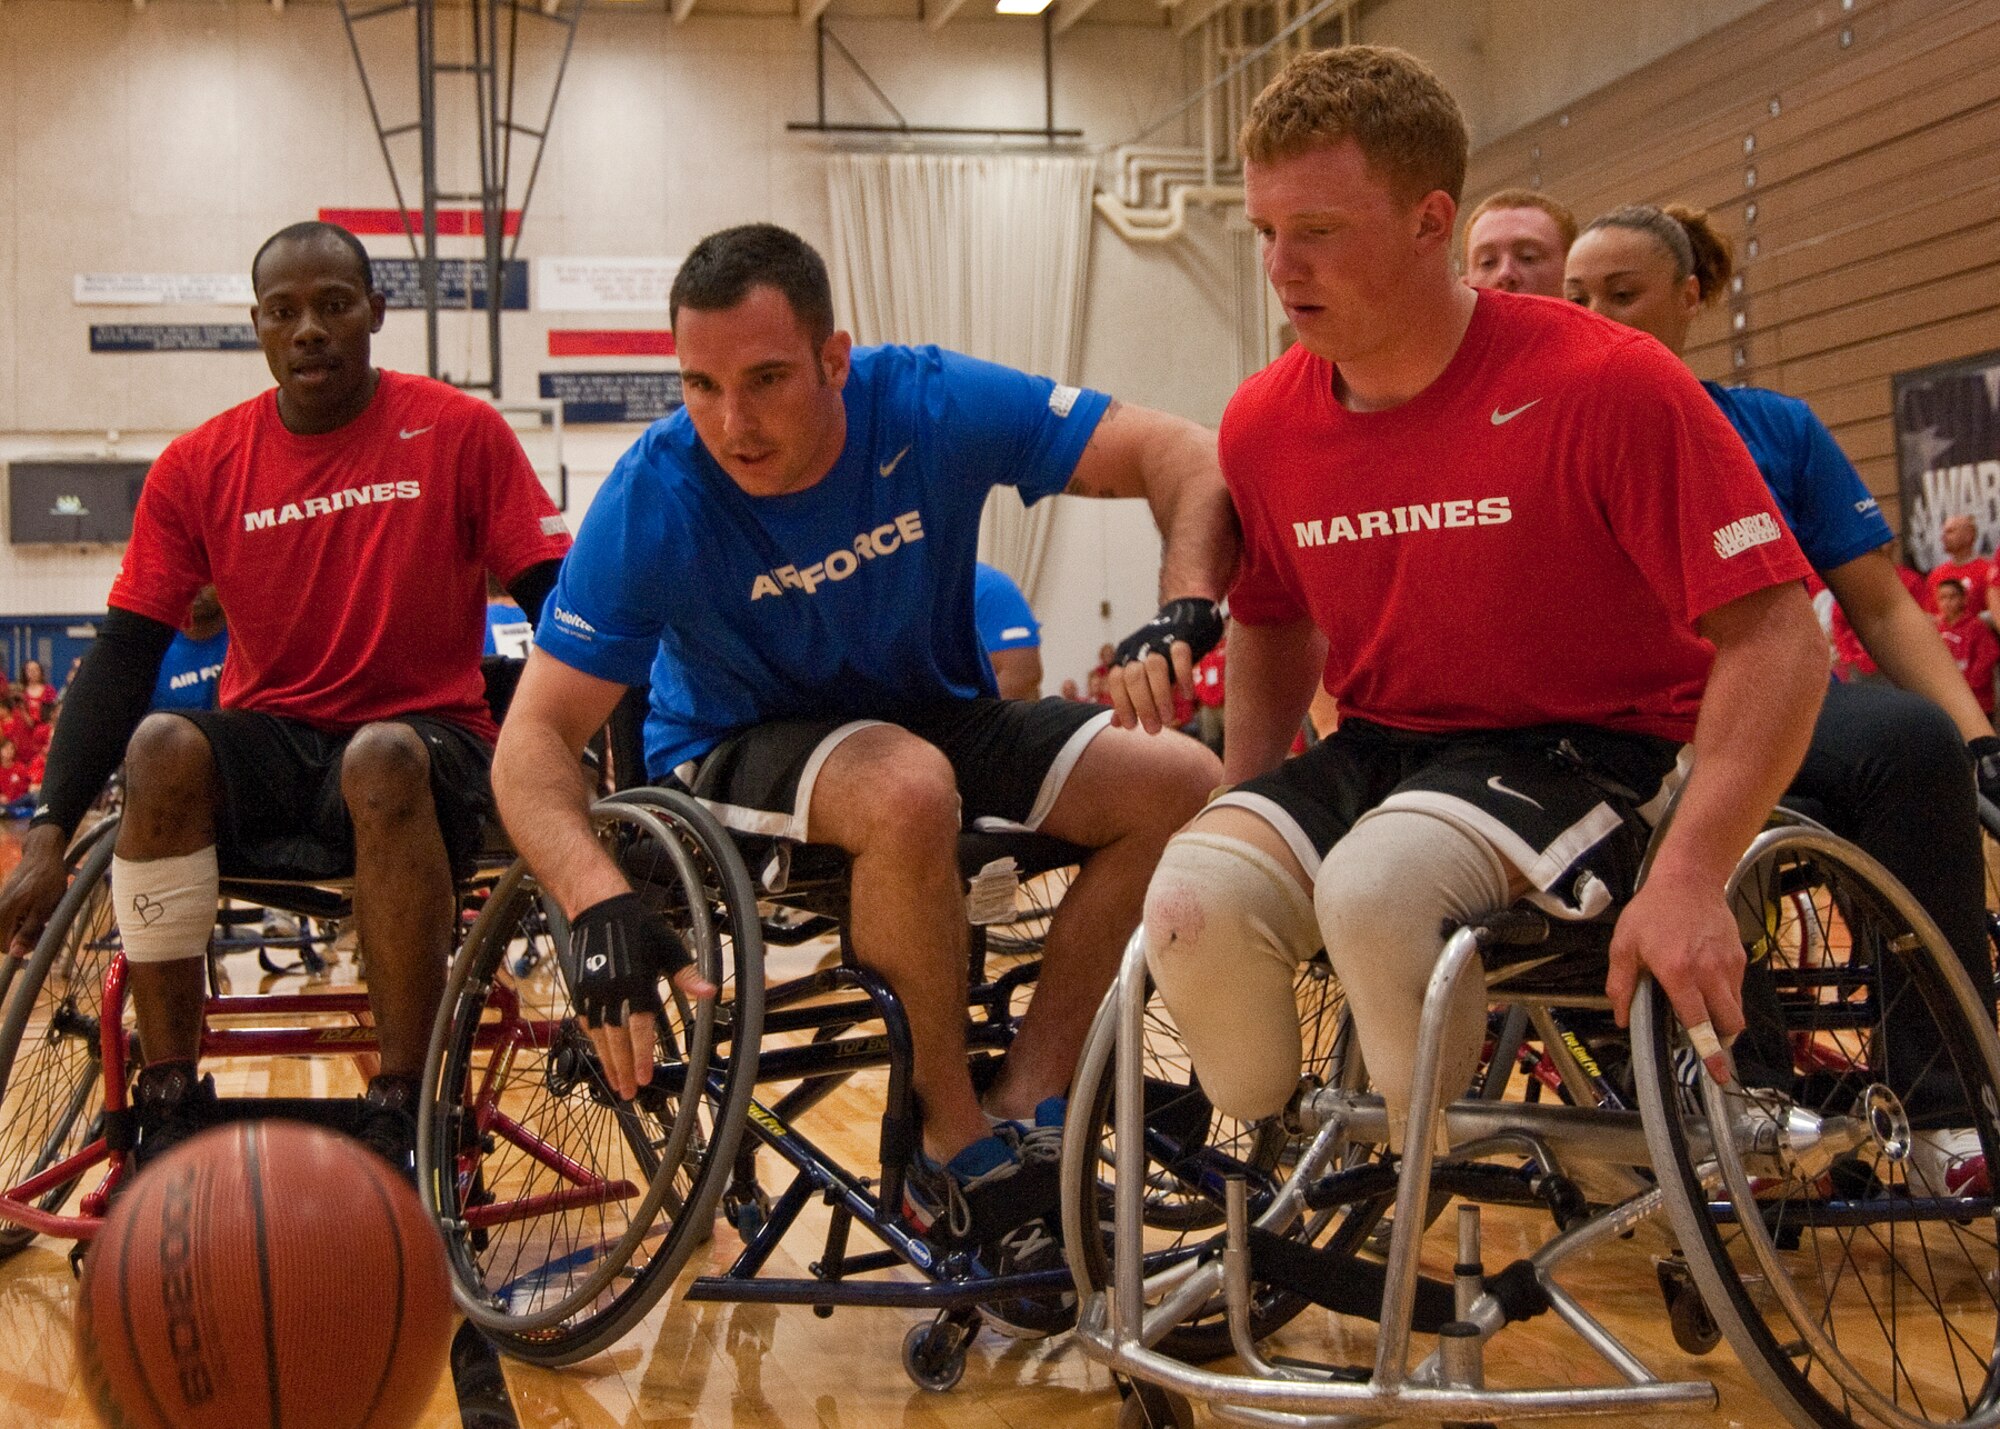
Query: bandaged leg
x,y
165,906
1226,929
1382,897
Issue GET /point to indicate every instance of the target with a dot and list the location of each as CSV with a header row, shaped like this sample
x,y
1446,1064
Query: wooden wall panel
x,y
1851,149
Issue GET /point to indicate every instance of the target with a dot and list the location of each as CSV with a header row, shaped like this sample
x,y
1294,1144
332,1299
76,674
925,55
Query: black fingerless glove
x,y
619,951
1192,618
1985,752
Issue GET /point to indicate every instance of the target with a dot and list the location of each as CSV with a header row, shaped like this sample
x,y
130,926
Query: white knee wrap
x,y
1226,928
1382,897
165,906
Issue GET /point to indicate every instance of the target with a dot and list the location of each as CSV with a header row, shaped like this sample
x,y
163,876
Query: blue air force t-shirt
x,y
1817,489
191,672
850,599
1002,613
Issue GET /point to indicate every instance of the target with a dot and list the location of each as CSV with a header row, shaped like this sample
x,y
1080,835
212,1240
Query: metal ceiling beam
x,y
941,13
1191,17
1068,12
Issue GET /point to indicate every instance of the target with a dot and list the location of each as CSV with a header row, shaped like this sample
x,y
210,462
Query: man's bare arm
x,y
1172,463
539,785
1266,686
1018,672
1764,692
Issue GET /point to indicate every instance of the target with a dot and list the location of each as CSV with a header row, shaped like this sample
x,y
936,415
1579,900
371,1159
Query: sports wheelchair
x,y
67,1046
554,1287
1853,1291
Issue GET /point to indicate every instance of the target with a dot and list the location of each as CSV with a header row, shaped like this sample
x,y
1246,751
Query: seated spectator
x,y
15,783
1962,562
1974,648
1070,691
1516,241
35,690
191,673
1008,633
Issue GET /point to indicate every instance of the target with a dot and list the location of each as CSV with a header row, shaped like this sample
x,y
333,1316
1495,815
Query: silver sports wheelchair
x,y
1851,1289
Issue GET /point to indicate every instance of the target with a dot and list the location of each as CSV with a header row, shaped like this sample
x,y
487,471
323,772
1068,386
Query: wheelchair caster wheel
x,y
823,1312
1147,1406
1695,1330
747,1216
934,1356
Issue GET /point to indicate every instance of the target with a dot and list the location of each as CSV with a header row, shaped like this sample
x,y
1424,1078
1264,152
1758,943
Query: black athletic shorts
x,y
281,814
1569,806
1011,758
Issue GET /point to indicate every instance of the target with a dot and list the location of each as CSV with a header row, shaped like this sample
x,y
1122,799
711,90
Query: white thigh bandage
x,y
1226,929
165,906
1383,896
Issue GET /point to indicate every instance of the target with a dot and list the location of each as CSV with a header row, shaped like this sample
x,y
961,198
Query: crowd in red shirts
x,y
28,709
1961,592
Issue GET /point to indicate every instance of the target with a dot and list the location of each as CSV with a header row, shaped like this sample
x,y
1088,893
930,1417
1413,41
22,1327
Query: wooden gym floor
x,y
756,1365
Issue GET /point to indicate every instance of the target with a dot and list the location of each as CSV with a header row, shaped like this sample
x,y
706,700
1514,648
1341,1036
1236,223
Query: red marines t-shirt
x,y
352,565
1528,540
1976,652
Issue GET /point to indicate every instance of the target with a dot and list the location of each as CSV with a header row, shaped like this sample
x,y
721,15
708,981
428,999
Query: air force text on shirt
x,y
1401,520
840,563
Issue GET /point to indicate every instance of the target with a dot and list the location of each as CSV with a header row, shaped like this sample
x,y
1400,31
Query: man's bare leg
x,y
890,799
170,793
1129,794
403,898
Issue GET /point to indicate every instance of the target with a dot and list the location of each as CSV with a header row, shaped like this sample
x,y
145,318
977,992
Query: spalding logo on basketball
x,y
264,1274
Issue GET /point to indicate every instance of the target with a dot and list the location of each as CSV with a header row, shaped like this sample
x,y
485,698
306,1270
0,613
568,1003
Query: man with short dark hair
x,y
788,561
358,742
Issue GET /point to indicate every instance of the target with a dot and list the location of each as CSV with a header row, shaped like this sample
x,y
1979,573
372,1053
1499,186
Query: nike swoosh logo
x,y
893,462
406,433
1499,788
1501,419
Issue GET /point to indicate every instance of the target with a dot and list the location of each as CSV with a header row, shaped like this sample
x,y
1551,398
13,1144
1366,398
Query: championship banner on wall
x,y
1948,452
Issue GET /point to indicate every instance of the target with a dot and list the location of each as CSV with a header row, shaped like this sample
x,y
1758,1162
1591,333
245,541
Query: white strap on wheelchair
x,y
165,906
990,897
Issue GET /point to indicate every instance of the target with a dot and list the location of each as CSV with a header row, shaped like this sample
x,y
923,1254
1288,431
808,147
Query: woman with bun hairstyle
x,y
1891,767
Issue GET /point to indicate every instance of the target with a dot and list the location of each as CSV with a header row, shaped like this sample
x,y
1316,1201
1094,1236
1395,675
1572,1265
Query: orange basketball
x,y
266,1273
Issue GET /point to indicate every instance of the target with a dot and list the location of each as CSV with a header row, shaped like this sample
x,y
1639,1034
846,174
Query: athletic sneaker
x,y
1948,1163
173,1102
388,1124
1030,1246
983,1192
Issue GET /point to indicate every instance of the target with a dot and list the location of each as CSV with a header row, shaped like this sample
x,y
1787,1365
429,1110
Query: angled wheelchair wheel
x,y
1821,1201
566,1212
1190,1149
51,1067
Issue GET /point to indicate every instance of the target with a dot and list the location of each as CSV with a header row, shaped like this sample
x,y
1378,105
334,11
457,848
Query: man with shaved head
x,y
356,742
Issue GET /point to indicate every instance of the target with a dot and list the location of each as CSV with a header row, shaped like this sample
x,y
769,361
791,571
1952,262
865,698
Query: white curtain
x,y
983,254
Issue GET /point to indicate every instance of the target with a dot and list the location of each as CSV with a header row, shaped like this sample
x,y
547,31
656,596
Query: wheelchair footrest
x,y
341,1114
1345,1284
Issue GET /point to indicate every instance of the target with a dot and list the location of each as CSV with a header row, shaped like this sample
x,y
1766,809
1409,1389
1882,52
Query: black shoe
x,y
981,1194
1030,1246
173,1102
388,1124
